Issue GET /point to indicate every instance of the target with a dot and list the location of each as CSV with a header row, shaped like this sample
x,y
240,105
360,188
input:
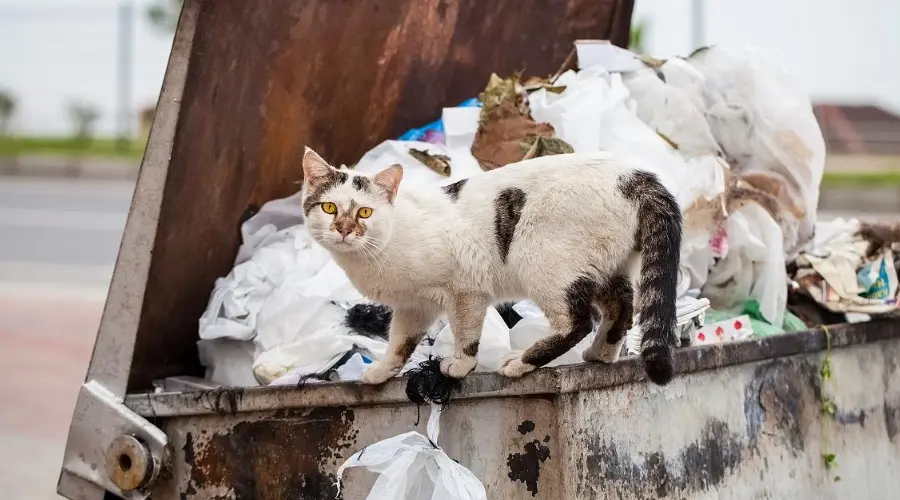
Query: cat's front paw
x,y
512,365
378,373
458,367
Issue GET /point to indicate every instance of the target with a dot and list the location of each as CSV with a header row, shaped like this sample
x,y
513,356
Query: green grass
x,y
888,179
63,146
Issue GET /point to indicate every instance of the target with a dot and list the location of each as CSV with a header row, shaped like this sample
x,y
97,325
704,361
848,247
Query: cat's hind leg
x,y
466,314
408,327
570,315
616,301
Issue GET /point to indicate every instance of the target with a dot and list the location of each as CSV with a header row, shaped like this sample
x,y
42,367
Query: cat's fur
x,y
566,231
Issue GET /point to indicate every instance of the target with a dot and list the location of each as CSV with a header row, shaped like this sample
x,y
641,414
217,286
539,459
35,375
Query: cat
x,y
567,231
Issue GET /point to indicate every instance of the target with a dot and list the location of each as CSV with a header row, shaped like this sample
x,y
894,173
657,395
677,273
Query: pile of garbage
x,y
728,132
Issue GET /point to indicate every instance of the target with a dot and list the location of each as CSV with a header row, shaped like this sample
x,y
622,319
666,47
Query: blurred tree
x,y
84,116
636,37
7,110
163,14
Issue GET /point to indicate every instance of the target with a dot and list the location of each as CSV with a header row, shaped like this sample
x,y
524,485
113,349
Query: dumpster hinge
x,y
110,448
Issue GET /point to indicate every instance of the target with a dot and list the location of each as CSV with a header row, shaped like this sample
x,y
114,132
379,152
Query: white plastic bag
x,y
228,362
412,467
753,267
764,122
671,111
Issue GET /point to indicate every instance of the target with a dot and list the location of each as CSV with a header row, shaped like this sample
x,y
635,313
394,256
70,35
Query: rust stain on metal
x,y
222,400
282,456
526,466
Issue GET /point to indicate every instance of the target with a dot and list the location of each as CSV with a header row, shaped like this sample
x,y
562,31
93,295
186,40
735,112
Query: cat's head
x,y
346,211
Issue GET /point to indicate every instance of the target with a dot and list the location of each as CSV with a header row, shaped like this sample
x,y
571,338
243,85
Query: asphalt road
x,y
61,231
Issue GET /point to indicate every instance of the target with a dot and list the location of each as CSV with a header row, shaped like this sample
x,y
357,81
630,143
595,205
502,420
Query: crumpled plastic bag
x,y
753,267
765,124
228,362
412,467
670,110
314,351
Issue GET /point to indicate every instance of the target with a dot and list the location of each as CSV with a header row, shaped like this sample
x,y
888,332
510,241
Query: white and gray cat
x,y
566,231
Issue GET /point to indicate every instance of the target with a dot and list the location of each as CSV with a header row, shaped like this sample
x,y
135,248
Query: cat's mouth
x,y
342,245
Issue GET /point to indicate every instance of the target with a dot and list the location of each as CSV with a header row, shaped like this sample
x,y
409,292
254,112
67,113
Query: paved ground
x,y
58,242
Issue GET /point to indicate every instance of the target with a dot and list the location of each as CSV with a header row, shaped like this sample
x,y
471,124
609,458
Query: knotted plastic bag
x,y
412,467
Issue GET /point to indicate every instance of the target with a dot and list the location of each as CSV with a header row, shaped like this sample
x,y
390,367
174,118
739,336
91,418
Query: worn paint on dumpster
x,y
294,454
285,455
747,431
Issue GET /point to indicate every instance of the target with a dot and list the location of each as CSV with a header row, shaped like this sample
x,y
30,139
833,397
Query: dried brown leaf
x,y
438,163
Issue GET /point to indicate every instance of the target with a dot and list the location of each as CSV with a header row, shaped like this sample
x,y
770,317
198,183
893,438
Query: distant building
x,y
858,130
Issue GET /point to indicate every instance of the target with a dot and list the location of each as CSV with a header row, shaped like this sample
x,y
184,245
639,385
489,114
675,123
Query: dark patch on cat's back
x,y
452,190
507,212
361,183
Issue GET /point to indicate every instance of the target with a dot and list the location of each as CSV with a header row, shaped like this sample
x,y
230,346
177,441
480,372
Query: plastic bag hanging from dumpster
x,y
412,467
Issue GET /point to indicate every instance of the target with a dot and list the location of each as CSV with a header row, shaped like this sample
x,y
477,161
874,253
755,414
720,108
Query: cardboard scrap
x,y
729,330
506,132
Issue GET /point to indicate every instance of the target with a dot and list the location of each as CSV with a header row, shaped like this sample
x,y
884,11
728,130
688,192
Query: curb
x,y
69,167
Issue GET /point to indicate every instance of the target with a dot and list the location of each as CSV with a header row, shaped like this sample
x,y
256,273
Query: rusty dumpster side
x,y
744,420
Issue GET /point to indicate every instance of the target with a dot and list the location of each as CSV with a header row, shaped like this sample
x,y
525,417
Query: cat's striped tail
x,y
659,241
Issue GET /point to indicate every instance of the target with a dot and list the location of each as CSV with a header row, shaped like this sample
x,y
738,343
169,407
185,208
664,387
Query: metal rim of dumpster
x,y
550,381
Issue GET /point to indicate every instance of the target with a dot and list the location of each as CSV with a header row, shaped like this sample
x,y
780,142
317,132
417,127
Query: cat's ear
x,y
315,169
389,179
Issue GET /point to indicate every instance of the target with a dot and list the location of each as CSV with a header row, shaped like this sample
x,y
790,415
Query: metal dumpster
x,y
248,85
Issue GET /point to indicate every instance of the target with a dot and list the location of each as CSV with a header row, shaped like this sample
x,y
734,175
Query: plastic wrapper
x,y
411,466
753,266
841,273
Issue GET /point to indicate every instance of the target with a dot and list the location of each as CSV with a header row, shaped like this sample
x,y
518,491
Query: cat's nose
x,y
344,231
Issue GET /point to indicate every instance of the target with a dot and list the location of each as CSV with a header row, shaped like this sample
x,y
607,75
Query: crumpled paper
x,y
839,272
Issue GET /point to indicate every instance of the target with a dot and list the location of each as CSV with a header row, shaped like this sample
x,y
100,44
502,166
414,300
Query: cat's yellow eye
x,y
329,207
364,212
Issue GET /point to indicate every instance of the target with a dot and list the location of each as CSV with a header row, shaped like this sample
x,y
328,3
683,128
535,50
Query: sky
x,y
54,52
